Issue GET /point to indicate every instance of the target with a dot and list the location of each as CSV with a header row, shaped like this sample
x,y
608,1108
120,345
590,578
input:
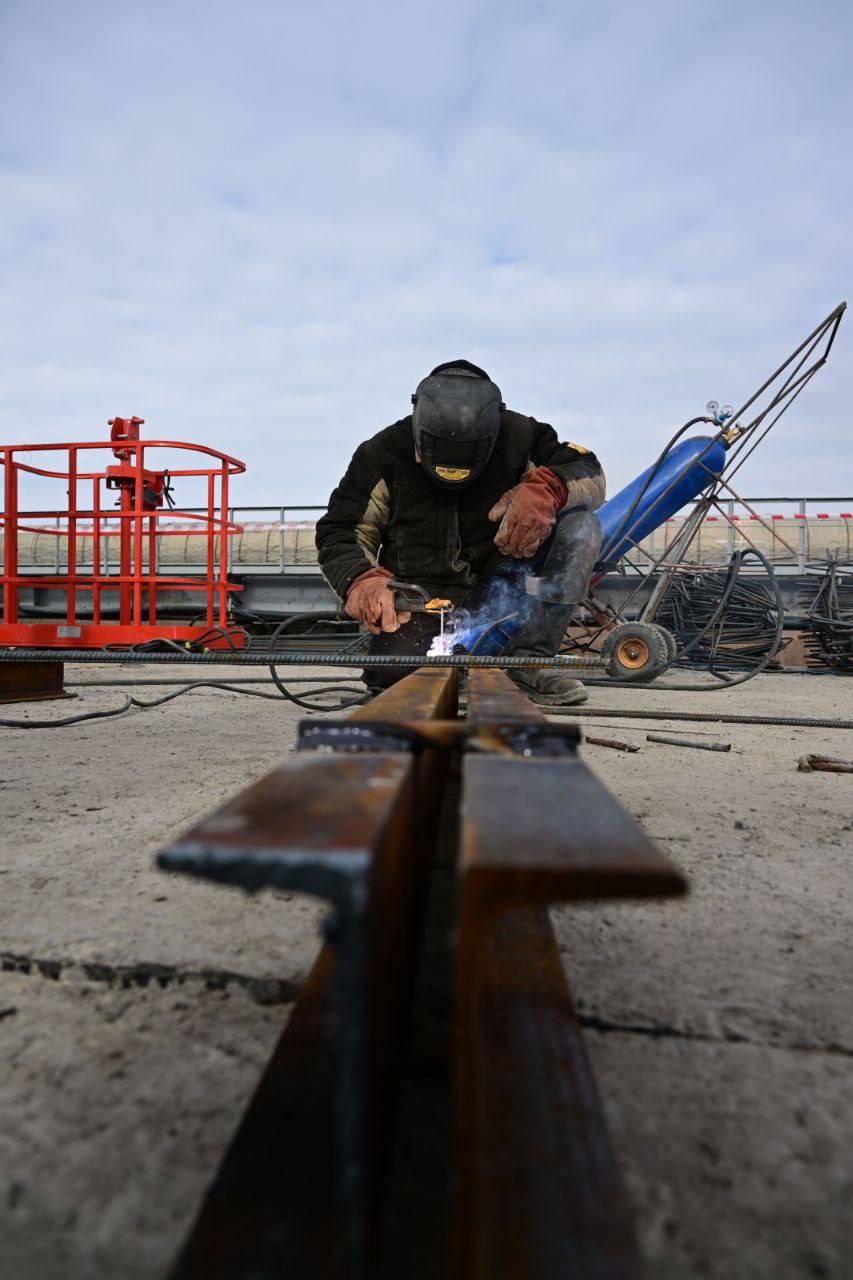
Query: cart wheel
x,y
669,640
636,651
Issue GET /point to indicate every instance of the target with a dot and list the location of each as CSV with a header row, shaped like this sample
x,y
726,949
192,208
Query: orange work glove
x,y
371,603
527,512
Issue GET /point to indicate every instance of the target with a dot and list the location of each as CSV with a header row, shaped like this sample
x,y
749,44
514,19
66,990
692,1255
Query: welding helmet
x,y
456,420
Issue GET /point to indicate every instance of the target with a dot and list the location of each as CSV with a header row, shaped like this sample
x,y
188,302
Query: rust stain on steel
x,y
546,830
32,682
429,693
356,829
670,740
615,743
493,696
327,805
538,1194
824,764
279,1166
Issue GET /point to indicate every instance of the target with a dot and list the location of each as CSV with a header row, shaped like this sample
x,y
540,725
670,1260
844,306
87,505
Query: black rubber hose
x,y
58,724
167,680
305,703
254,693
129,702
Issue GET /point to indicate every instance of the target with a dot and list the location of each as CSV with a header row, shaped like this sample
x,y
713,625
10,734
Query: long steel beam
x,y
353,829
536,1192
353,817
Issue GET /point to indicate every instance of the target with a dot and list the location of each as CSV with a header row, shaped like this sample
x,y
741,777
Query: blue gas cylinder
x,y
689,467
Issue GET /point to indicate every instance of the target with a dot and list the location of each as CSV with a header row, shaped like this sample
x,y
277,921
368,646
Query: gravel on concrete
x,y
137,1009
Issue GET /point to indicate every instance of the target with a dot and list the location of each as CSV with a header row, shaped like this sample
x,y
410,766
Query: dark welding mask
x,y
456,420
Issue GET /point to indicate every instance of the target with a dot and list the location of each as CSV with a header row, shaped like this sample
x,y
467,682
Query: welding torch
x,y
410,598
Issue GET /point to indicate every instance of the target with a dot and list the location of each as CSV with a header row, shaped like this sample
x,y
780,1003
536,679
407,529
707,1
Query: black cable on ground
x,y
58,724
153,651
256,693
287,693
129,702
167,680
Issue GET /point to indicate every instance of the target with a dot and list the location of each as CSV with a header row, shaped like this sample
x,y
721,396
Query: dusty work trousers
x,y
563,565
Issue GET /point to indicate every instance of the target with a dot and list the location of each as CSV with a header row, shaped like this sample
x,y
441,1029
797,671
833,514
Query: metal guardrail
x,y
802,510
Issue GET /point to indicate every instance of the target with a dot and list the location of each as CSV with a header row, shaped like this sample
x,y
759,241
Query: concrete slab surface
x,y
137,1009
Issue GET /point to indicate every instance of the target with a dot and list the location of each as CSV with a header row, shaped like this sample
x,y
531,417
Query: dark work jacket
x,y
387,511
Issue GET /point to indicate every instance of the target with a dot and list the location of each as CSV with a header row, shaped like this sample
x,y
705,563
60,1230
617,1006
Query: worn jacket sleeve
x,y
577,467
350,534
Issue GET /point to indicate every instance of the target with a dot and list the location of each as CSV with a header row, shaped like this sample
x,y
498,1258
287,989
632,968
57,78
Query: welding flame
x,y
492,606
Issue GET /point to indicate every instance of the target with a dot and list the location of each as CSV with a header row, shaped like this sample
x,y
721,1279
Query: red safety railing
x,y
144,497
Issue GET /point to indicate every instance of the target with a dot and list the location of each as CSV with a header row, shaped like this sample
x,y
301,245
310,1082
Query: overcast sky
x,y
259,224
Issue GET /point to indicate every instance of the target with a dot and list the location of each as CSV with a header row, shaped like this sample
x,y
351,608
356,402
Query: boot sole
x,y
557,699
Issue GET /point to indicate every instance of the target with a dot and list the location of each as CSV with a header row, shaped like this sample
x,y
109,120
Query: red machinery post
x,y
96,550
10,537
211,498
71,559
223,551
138,501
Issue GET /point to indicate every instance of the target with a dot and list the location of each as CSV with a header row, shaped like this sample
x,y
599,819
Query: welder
x,y
469,500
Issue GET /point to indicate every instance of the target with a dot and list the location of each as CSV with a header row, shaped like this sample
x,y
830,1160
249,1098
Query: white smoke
x,y
505,600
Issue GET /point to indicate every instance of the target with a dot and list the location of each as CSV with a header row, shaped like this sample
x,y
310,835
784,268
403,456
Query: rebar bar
x,y
243,658
708,717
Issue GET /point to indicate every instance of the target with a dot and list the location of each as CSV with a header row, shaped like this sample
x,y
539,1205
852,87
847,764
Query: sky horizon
x,y
257,226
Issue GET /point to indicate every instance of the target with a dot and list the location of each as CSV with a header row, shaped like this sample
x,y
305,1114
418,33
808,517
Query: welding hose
x,y
66,720
284,692
214,684
187,687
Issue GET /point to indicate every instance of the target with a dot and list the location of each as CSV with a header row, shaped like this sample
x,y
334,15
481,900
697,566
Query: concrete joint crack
x,y
666,1031
265,991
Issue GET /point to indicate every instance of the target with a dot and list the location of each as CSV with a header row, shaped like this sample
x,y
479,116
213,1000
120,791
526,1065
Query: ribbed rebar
x,y
243,658
709,717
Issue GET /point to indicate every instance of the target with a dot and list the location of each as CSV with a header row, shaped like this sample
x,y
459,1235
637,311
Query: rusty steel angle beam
x,y
279,1167
354,828
537,1193
543,828
32,682
536,1190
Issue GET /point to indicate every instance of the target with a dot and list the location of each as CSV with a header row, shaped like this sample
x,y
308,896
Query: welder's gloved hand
x,y
371,603
527,512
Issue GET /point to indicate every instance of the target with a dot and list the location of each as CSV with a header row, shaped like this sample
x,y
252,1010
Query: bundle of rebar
x,y
829,620
742,634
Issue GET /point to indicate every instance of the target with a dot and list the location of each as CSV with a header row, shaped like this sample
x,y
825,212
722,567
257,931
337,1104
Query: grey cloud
x,y
259,224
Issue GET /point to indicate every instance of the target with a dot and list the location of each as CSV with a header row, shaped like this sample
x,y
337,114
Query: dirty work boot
x,y
552,687
540,636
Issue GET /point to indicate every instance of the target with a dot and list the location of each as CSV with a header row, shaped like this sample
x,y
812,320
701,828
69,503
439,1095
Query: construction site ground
x,y
137,1009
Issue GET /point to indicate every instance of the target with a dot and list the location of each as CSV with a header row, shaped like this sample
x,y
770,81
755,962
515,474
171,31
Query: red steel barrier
x,y
144,496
